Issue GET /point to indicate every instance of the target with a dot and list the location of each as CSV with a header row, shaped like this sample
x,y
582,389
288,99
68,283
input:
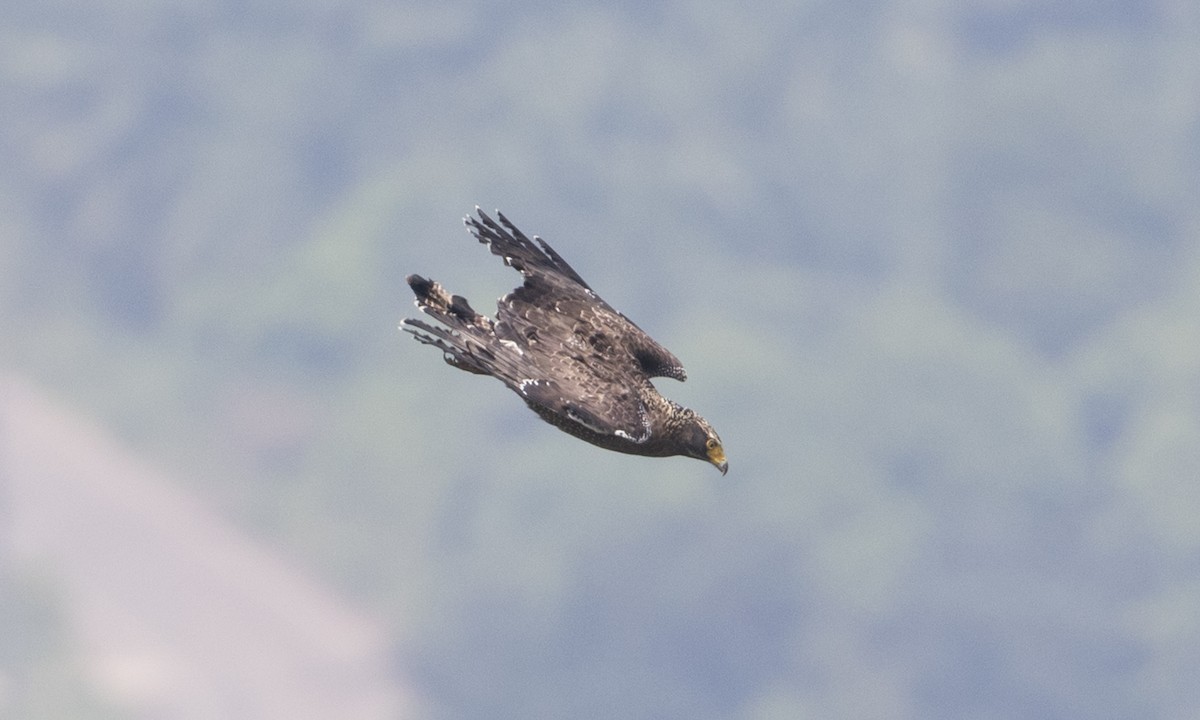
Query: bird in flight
x,y
579,364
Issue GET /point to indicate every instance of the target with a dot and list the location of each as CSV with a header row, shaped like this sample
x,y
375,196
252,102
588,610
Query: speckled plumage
x,y
578,363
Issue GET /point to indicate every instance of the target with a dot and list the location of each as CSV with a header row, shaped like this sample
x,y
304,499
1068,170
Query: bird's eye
x,y
710,444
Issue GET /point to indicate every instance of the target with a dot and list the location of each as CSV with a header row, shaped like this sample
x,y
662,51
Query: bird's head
x,y
704,444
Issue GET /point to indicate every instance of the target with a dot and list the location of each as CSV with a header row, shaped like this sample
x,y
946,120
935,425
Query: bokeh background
x,y
933,267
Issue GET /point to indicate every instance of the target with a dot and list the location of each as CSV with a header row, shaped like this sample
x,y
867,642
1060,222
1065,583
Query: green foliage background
x,y
933,268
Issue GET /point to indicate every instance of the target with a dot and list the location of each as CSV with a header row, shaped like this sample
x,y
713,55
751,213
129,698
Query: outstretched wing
x,y
555,306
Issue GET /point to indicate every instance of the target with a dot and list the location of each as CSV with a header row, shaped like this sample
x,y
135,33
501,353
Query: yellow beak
x,y
716,456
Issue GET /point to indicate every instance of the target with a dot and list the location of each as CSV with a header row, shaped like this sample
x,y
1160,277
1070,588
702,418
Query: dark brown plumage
x,y
578,363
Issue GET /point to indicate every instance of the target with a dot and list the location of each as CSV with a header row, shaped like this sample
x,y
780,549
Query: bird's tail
x,y
470,343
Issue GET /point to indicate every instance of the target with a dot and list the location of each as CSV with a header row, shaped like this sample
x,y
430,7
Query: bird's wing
x,y
530,257
579,370
611,410
555,300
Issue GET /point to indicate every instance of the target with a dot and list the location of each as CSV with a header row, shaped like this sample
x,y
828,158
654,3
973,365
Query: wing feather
x,y
622,415
518,251
552,287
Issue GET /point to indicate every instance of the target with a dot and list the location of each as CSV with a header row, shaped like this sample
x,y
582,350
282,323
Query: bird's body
x,y
578,363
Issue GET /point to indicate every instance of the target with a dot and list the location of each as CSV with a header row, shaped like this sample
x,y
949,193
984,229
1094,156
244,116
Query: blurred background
x,y
933,268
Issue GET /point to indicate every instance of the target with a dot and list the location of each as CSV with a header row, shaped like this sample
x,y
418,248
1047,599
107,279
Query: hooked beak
x,y
716,456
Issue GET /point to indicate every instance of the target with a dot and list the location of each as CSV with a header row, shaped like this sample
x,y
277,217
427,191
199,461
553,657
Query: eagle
x,y
579,364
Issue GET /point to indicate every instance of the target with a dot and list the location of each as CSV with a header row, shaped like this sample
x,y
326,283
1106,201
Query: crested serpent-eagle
x,y
578,363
